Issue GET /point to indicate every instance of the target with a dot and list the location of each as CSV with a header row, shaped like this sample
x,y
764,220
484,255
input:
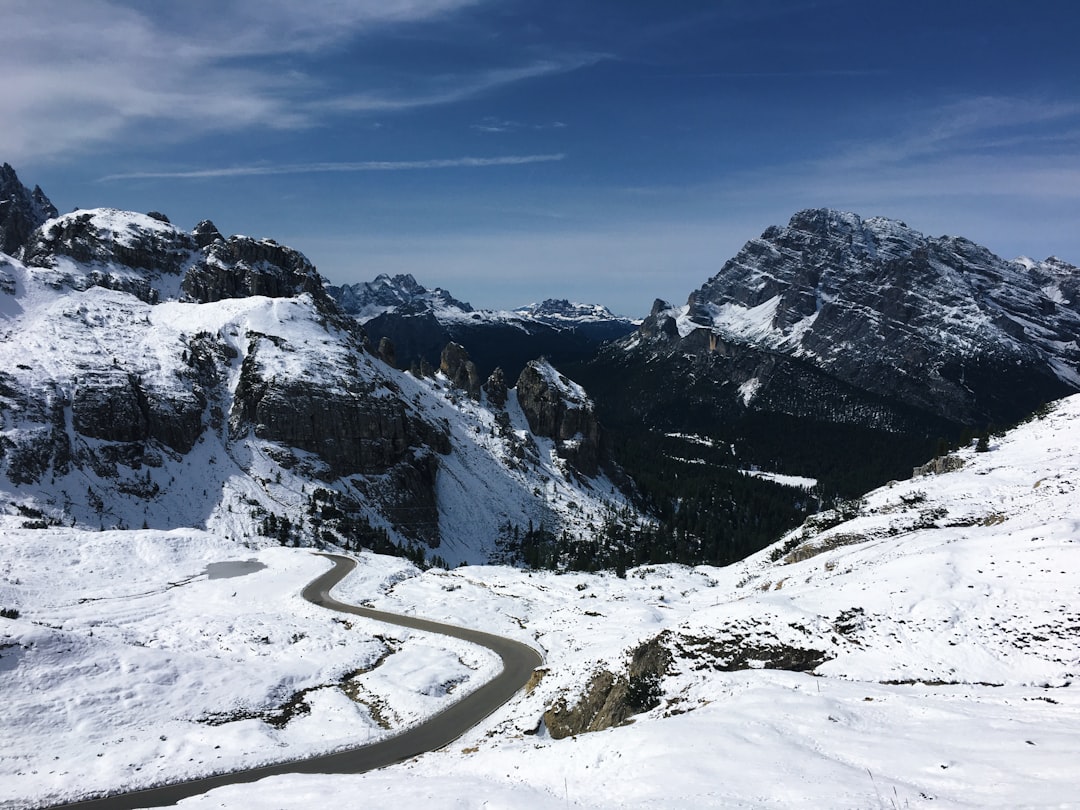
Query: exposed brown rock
x,y
460,370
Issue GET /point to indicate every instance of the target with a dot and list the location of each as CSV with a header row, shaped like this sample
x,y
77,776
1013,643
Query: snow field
x,y
128,666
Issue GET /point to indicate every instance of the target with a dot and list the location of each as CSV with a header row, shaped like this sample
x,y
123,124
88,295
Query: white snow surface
x,y
796,481
939,618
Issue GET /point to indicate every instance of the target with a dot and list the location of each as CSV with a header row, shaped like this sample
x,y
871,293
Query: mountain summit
x,y
21,210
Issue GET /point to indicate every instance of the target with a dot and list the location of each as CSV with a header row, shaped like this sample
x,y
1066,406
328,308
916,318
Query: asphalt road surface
x,y
519,660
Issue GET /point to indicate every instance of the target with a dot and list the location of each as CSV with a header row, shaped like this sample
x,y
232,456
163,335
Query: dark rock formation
x,y
347,425
660,323
206,233
21,211
387,352
43,441
557,408
495,387
460,370
242,266
118,407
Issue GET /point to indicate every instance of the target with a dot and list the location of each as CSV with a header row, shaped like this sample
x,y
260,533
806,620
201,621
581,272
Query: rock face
x,y
495,387
135,253
241,266
610,699
558,408
460,370
21,211
940,324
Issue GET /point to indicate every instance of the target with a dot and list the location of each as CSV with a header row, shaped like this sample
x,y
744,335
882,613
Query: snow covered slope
x,y
918,648
159,378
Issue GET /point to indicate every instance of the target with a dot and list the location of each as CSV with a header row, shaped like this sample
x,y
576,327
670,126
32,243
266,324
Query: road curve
x,y
519,660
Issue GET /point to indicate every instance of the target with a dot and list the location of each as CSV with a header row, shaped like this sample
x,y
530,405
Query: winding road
x,y
518,660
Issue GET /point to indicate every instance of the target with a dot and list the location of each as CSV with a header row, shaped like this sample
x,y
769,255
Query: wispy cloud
x,y
497,125
111,72
361,166
451,88
964,126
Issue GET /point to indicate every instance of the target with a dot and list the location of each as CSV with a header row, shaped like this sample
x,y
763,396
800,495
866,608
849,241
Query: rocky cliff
x,y
558,408
21,211
151,375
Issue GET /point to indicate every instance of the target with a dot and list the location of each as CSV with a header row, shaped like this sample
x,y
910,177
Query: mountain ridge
x,y
170,378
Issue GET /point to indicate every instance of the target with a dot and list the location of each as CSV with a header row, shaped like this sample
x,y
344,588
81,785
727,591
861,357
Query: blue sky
x,y
605,151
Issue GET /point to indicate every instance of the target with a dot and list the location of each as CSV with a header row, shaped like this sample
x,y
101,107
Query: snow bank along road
x,y
518,661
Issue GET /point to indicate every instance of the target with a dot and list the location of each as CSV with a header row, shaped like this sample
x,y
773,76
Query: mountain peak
x,y
401,293
561,310
896,312
21,210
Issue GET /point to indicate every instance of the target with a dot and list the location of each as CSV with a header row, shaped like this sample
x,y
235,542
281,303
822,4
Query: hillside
x,y
158,378
918,650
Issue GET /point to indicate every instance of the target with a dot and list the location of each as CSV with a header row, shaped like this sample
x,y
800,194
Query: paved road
x,y
519,661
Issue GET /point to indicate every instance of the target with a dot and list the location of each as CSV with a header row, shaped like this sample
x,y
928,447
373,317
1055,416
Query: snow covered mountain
x,y
938,323
401,293
419,322
843,348
154,377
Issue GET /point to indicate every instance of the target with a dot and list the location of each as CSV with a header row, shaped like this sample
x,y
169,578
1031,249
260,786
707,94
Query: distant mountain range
x,y
420,322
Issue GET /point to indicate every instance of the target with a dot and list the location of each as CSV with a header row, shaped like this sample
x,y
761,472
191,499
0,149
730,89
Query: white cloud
x,y
449,88
80,75
963,126
360,166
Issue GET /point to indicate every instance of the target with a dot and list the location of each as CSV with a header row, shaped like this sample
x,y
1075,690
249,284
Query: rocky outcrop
x,y
347,425
495,388
118,407
387,353
206,233
559,409
241,266
460,370
610,699
661,322
42,443
21,211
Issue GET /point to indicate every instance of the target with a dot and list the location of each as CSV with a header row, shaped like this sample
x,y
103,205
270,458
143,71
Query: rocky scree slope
x,y
151,376
419,322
